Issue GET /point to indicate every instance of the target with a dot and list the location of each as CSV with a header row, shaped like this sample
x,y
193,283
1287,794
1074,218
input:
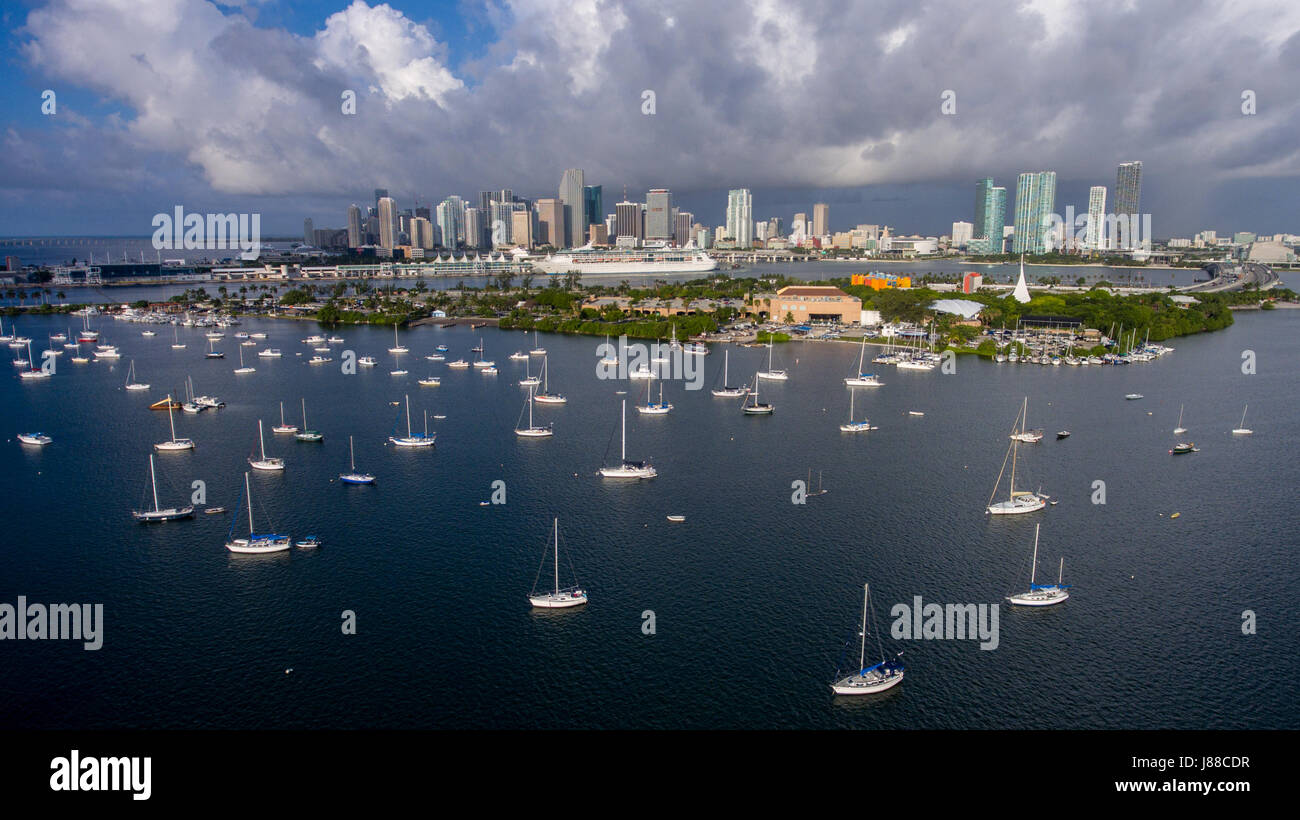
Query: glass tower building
x,y
1035,202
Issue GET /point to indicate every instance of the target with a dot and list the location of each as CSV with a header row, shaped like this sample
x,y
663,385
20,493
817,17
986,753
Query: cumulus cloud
x,y
820,94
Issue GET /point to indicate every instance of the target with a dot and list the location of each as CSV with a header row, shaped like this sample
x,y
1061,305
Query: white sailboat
x,y
352,476
529,380
174,444
532,430
424,439
480,361
546,396
652,408
1023,435
774,375
1019,501
863,379
1242,429
131,383
282,427
32,371
537,350
557,598
1180,429
757,408
868,680
255,543
1041,594
307,434
176,340
855,426
609,360
397,347
625,468
242,368
273,464
37,439
158,514
727,391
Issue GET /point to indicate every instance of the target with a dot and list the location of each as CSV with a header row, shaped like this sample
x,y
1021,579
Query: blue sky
x,y
236,108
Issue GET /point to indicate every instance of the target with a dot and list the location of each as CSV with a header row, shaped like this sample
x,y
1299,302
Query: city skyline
x,y
505,99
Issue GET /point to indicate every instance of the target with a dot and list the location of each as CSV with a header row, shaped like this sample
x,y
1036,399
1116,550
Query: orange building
x,y
881,281
809,303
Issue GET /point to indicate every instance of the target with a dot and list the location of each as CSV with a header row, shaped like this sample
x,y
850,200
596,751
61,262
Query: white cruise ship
x,y
589,260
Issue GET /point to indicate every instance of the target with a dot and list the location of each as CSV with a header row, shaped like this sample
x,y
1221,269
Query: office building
x,y
575,214
740,217
658,214
355,237
1095,237
550,222
1035,202
593,203
1128,191
387,223
821,219
628,221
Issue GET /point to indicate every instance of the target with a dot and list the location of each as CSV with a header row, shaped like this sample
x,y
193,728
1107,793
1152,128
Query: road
x,y
1229,276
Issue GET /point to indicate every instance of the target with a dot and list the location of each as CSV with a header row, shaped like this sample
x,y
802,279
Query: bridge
x,y
1226,276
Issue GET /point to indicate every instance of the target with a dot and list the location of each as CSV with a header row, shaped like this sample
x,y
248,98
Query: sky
x,y
887,110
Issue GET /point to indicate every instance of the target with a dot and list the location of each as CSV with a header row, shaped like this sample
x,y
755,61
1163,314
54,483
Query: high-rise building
x,y
799,226
387,222
1035,202
550,222
1094,239
355,238
502,220
1128,190
821,219
451,221
961,234
473,228
521,228
597,234
628,223
682,228
740,217
575,214
593,204
658,214
990,214
775,226
380,193
308,232
421,233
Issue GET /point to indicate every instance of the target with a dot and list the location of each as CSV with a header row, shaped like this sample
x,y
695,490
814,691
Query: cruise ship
x,y
620,261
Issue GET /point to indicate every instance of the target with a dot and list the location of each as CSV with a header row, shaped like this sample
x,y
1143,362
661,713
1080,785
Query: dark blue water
x,y
753,596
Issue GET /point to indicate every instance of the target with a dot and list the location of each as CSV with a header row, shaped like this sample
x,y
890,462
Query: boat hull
x,y
858,684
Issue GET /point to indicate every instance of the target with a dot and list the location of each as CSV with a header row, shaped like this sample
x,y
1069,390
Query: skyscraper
x,y
307,232
355,239
1035,202
473,228
593,203
990,214
1128,190
658,214
682,228
627,218
451,221
821,219
550,222
740,217
387,222
575,215
1095,236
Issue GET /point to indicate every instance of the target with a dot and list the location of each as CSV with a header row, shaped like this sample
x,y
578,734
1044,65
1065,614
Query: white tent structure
x,y
1021,293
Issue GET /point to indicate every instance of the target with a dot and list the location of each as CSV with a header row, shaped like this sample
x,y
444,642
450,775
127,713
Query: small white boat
x,y
284,427
271,465
537,350
726,391
1242,429
1133,396
855,426
335,340
756,408
677,519
397,347
1180,429
625,468
437,357
532,430
352,476
319,360
242,367
158,514
431,381
557,598
310,542
459,364
174,444
546,396
256,543
519,356
367,361
270,353
424,439
35,439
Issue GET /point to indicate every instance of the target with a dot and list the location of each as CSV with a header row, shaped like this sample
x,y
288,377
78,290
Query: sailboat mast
x,y
352,455
170,418
261,440
623,418
248,493
408,416
1033,572
153,479
557,556
862,653
1060,572
726,362
304,414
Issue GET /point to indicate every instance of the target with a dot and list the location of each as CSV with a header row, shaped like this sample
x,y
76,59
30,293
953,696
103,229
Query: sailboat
x,y
175,443
1243,430
532,430
213,353
756,409
413,440
255,543
1027,436
352,476
1180,429
625,468
863,379
32,371
1019,501
282,427
480,361
1041,594
546,396
727,391
609,359
774,375
131,383
529,379
557,598
273,464
157,514
242,368
651,408
855,426
868,680
307,434
176,341
537,350
5,338
397,347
